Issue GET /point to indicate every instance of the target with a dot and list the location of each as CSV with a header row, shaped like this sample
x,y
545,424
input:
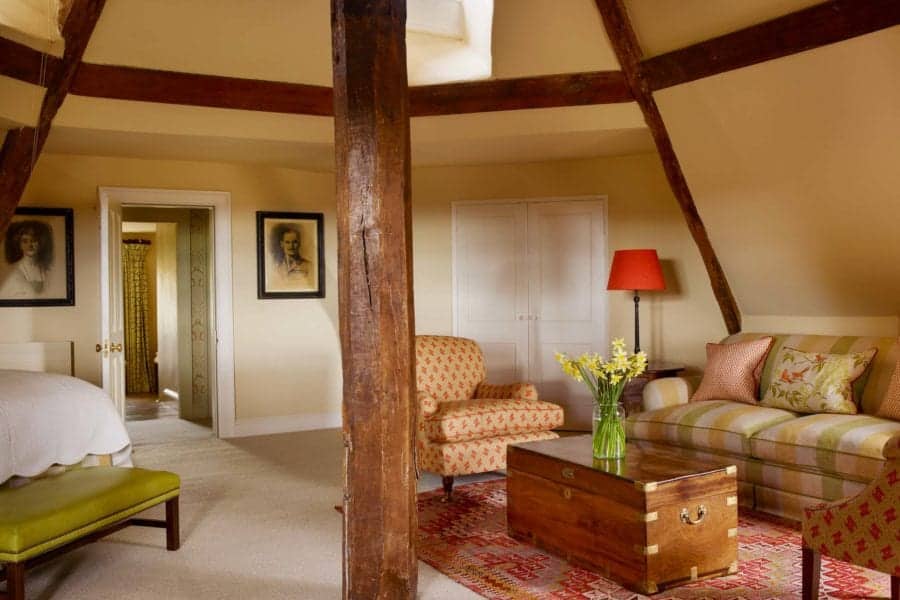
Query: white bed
x,y
52,418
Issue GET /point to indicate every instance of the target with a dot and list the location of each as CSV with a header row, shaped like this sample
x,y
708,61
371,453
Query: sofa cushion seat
x,y
848,445
712,424
476,419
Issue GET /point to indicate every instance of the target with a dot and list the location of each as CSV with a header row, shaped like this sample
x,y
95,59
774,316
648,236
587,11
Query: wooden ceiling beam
x,y
628,51
215,91
22,146
806,29
23,63
543,91
374,223
193,89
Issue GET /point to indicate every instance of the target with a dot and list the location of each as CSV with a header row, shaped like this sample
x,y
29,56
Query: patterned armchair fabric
x,y
863,530
465,423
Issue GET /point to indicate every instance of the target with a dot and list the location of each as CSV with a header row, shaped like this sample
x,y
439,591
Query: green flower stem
x,y
609,438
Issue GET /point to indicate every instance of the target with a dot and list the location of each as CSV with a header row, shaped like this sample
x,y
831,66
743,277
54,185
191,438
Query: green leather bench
x,y
53,515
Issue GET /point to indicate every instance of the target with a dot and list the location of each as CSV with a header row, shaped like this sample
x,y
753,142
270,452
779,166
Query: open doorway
x,y
167,283
113,201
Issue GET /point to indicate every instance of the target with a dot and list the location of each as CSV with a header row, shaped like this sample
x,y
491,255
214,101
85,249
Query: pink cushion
x,y
733,371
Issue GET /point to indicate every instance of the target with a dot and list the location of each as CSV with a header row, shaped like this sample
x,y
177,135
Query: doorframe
x,y
222,390
604,207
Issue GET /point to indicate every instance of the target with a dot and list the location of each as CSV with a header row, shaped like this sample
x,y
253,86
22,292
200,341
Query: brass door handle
x,y
686,515
115,348
101,347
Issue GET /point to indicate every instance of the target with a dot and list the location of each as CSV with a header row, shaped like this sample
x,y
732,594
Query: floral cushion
x,y
477,456
814,382
466,420
733,371
448,368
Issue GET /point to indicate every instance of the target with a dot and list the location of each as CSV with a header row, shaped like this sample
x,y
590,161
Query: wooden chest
x,y
650,521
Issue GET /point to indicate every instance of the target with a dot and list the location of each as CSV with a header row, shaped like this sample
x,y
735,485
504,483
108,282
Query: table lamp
x,y
636,270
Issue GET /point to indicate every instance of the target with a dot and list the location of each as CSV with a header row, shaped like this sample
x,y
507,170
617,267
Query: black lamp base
x,y
637,322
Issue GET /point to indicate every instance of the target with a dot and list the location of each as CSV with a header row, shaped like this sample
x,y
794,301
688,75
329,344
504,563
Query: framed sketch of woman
x,y
37,266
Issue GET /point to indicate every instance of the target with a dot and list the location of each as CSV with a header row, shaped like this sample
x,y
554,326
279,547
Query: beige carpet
x,y
257,521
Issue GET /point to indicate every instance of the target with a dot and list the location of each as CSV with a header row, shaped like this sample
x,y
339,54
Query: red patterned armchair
x,y
464,423
863,530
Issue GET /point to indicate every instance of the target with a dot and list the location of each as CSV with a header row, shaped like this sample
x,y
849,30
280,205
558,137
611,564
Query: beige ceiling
x,y
799,160
289,40
666,25
793,162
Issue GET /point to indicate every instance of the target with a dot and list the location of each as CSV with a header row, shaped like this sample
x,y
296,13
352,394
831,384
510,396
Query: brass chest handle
x,y
686,515
568,473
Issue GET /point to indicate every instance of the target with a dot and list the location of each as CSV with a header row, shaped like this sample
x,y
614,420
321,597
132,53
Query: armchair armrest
x,y
892,449
864,528
512,391
428,405
668,391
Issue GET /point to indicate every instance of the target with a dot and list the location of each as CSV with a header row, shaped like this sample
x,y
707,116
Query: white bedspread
x,y
48,419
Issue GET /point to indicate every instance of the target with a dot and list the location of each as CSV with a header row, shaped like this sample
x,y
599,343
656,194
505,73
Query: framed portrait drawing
x,y
290,255
37,264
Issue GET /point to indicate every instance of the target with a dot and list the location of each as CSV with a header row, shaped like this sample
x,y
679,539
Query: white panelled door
x,y
566,275
529,282
492,286
112,321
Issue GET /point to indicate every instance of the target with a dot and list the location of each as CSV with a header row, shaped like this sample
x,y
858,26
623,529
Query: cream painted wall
x,y
287,356
642,213
286,351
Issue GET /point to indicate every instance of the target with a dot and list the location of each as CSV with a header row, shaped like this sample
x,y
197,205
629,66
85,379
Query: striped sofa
x,y
786,461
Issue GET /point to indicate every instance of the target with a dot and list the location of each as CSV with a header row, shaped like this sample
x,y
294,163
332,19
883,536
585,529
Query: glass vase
x,y
609,433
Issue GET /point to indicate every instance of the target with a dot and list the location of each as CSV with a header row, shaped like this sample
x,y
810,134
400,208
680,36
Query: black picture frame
x,y
303,278
54,284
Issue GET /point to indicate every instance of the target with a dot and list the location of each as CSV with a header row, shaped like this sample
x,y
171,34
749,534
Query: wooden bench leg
x,y
15,580
812,564
173,534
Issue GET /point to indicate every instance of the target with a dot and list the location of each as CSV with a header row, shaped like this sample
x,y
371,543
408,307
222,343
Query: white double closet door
x,y
529,281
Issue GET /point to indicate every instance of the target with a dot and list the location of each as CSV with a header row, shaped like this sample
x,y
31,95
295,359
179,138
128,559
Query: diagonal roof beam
x,y
624,42
799,31
22,146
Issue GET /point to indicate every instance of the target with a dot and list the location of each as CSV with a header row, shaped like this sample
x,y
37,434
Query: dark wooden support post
x,y
625,44
22,146
371,117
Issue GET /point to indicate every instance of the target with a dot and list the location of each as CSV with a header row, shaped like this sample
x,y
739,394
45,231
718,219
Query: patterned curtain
x,y
140,376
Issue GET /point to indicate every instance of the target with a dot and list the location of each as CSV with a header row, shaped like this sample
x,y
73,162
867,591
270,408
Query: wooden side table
x,y
633,395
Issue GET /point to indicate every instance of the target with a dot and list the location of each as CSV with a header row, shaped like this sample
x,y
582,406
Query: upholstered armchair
x,y
464,423
863,530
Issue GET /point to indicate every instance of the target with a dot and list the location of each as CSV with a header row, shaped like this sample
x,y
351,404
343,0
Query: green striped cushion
x,y
848,445
871,386
811,482
714,424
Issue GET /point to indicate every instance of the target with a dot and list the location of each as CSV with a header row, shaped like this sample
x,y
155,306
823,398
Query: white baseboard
x,y
285,424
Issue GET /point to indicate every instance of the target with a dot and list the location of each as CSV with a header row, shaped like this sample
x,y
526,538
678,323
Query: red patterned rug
x,y
466,540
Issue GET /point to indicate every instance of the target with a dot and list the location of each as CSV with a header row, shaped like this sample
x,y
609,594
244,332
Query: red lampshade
x,y
635,270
